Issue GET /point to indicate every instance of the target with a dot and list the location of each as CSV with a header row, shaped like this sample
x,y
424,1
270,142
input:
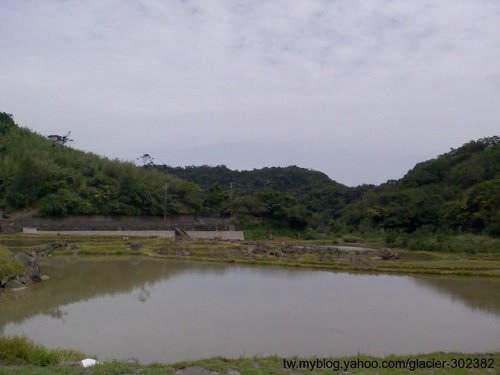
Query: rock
x,y
57,245
261,248
24,258
33,272
6,279
387,254
25,279
135,246
232,372
248,251
44,277
292,249
195,370
14,284
185,253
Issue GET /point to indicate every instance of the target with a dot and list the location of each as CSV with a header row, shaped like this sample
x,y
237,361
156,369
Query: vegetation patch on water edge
x,y
18,350
284,252
18,355
8,265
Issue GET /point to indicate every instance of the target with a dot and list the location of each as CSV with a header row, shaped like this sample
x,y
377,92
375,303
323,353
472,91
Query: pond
x,y
165,311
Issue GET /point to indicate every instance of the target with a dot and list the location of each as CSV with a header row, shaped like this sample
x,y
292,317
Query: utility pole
x,y
231,197
165,187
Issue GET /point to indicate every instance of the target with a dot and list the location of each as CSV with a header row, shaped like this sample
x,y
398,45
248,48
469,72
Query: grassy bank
x,y
8,265
20,356
269,253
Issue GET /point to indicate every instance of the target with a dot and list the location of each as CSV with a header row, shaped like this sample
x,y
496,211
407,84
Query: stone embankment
x,y
345,254
31,274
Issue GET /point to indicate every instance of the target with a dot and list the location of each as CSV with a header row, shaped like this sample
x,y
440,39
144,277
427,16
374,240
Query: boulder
x,y
293,249
25,279
32,271
31,267
260,248
387,254
57,245
24,258
276,253
5,280
14,284
134,246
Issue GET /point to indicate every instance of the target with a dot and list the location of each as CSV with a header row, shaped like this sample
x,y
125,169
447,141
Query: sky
x,y
359,89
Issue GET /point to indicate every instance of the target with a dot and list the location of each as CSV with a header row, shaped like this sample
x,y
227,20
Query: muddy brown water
x,y
155,310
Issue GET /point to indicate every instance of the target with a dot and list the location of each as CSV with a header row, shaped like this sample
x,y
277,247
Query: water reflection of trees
x,y
73,281
144,294
478,293
57,313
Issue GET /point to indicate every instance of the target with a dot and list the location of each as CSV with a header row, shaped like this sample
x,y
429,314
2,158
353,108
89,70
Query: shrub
x,y
21,351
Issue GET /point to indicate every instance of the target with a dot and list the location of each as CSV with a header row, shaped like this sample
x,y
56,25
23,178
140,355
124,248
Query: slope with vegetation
x,y
36,172
456,193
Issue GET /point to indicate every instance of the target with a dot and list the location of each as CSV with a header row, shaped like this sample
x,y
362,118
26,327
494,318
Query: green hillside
x,y
37,173
312,189
457,191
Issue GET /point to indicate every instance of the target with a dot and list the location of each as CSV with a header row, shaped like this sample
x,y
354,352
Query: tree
x,y
146,160
62,140
6,121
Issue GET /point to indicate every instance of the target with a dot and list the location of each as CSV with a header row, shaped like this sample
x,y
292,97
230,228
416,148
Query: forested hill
x,y
459,190
289,179
47,175
313,189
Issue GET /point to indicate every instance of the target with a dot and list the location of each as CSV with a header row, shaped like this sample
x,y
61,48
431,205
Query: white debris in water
x,y
88,362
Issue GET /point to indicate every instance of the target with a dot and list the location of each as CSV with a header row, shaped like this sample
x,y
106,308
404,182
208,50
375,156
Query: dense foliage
x,y
36,172
311,191
459,190
456,192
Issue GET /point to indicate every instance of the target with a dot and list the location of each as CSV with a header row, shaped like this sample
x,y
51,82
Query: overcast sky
x,y
361,90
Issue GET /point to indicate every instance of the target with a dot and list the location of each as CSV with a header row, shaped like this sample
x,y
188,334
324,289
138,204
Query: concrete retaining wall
x,y
196,235
123,233
123,223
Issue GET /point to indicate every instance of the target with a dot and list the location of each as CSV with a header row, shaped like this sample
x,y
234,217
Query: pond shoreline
x,y
311,255
21,356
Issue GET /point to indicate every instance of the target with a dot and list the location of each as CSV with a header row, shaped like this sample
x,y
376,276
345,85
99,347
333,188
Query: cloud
x,y
323,83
